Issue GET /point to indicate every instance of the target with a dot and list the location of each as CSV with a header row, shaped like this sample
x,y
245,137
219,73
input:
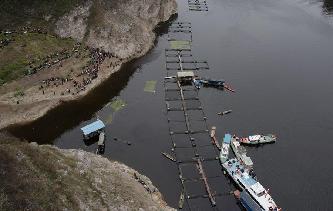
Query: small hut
x,y
93,129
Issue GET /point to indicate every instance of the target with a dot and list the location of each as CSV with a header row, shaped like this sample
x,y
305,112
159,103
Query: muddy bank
x,y
121,30
42,177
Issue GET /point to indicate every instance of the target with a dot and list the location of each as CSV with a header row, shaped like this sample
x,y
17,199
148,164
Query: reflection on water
x,y
328,7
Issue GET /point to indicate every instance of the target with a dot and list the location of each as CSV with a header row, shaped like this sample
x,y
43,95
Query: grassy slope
x,y
31,178
15,13
15,58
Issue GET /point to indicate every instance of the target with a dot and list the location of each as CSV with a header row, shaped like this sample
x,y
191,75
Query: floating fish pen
x,y
197,5
182,60
193,151
180,31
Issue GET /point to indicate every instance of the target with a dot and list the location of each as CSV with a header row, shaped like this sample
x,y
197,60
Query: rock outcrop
x,y
124,28
35,177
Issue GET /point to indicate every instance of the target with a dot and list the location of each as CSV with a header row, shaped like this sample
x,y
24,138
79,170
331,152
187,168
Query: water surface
x,y
277,54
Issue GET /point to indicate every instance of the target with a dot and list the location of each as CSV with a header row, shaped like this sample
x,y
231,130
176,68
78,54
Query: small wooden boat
x,y
101,144
181,200
224,112
169,156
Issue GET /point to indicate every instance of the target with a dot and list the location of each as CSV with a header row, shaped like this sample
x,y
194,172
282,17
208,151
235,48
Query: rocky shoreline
x,y
121,29
44,177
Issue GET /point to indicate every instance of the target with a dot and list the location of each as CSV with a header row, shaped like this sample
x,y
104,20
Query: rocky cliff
x,y
34,177
38,70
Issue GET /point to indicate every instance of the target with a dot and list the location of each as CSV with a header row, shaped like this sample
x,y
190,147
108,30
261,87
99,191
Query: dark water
x,y
278,54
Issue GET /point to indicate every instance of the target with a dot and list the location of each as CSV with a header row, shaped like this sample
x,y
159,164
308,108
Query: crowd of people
x,y
82,79
79,81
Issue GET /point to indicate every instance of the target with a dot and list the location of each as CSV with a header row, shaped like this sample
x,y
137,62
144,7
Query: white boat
x,y
243,178
224,154
240,153
258,139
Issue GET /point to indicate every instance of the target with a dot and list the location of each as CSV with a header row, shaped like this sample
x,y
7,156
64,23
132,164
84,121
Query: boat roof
x,y
247,179
236,143
227,138
254,137
93,127
247,160
257,188
185,74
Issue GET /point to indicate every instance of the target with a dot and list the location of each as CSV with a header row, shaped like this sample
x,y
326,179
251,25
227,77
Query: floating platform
x,y
93,129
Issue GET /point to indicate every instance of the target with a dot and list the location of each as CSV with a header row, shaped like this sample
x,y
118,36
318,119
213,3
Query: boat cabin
x,y
227,138
258,189
93,129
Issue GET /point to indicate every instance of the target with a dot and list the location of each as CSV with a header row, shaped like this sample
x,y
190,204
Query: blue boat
x,y
213,82
248,203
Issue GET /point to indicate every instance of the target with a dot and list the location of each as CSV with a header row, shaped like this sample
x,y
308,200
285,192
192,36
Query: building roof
x,y
95,126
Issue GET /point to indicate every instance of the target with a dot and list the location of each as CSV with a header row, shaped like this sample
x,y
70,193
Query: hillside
x,y
34,177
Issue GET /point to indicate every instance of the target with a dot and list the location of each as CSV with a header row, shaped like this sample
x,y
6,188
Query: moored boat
x,y
240,153
258,139
224,154
246,181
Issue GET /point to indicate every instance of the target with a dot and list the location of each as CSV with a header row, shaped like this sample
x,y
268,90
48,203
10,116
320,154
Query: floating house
x,y
93,129
185,76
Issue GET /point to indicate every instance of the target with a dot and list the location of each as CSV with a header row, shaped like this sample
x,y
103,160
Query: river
x,y
277,54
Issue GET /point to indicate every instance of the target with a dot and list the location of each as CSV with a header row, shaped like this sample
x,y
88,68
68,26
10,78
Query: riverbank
x,y
44,177
120,31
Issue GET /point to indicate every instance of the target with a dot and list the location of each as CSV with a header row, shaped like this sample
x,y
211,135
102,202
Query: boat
x,y
246,181
181,200
258,139
101,144
224,112
224,154
169,156
213,82
247,202
240,153
214,140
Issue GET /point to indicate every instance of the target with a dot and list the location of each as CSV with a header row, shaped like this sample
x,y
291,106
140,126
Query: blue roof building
x,y
93,128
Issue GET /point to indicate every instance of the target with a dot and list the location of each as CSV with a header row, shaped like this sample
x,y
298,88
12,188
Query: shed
x,y
92,129
185,76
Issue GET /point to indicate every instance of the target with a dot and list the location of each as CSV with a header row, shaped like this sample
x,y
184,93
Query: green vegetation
x,y
16,58
180,44
31,177
150,86
117,104
15,13
19,93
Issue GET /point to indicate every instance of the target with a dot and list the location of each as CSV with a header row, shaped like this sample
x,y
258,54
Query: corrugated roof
x,y
97,125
